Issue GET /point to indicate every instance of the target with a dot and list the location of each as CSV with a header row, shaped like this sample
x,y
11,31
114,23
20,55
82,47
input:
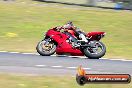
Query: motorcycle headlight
x,y
44,33
103,35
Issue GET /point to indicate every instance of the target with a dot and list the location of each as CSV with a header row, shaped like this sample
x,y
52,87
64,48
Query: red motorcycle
x,y
61,43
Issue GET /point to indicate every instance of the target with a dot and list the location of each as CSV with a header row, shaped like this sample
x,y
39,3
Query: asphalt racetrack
x,y
34,64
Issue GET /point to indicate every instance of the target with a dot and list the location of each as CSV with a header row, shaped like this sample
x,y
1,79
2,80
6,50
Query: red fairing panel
x,y
95,35
63,46
67,48
56,36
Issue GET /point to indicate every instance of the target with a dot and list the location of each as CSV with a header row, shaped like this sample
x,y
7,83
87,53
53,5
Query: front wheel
x,y
46,48
96,51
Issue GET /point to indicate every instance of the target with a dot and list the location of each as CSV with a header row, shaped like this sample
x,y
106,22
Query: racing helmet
x,y
69,25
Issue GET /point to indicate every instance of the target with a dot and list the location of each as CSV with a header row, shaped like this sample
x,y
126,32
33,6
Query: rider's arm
x,y
79,31
58,28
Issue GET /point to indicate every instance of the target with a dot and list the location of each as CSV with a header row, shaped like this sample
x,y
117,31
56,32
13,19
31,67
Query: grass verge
x,y
12,81
22,24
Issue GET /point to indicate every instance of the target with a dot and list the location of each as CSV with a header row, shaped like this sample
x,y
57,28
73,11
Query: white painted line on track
x,y
111,59
53,55
78,56
3,51
86,68
67,56
115,59
14,52
29,53
126,60
57,55
72,67
83,57
40,65
56,66
104,58
36,54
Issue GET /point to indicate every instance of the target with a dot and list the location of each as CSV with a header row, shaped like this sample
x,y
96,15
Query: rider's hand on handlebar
x,y
58,28
61,28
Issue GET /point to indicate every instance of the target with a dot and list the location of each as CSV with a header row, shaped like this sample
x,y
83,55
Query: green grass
x,y
22,25
12,81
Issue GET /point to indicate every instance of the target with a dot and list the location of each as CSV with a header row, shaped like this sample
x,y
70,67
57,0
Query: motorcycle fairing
x,y
62,45
65,47
95,35
56,36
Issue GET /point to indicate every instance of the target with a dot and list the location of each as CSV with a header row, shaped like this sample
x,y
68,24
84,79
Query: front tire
x,y
45,52
95,54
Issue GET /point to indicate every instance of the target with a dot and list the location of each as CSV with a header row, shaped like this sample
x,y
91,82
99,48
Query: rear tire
x,y
40,50
95,55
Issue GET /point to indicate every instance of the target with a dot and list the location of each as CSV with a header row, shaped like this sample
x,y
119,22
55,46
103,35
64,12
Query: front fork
x,y
46,41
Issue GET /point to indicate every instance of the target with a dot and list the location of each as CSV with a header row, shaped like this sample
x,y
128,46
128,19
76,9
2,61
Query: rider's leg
x,y
71,37
73,40
83,37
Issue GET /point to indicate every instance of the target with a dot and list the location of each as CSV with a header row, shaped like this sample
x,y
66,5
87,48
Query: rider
x,y
81,35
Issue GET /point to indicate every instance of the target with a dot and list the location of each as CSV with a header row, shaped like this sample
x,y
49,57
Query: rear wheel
x,y
97,50
46,48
